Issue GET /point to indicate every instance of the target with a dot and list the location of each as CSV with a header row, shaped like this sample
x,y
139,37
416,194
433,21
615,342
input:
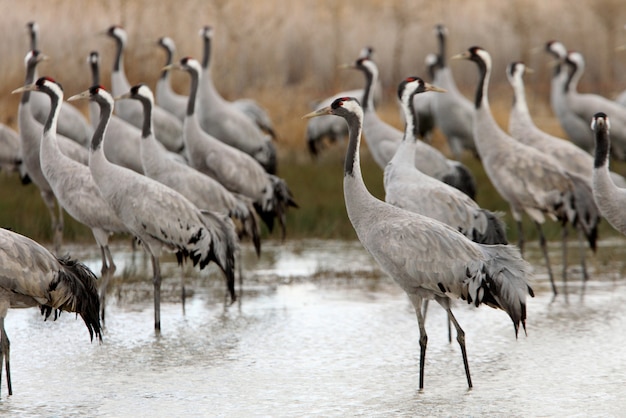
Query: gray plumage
x,y
74,187
224,121
585,105
576,129
72,182
123,140
72,123
167,128
10,156
574,160
202,190
528,179
426,258
454,113
610,198
157,215
408,188
233,168
30,131
31,276
253,110
383,140
521,127
166,97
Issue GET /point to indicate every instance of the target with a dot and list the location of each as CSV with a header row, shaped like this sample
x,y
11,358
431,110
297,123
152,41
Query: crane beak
x,y
80,96
28,87
346,66
321,112
171,67
462,56
124,96
528,70
537,49
621,48
430,87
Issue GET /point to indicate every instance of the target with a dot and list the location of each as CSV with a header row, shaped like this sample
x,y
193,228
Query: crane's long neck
x,y
118,62
169,56
193,92
368,96
33,38
53,116
31,69
520,106
106,110
603,147
146,129
357,198
119,82
441,59
405,153
412,125
352,166
95,72
482,89
574,75
206,53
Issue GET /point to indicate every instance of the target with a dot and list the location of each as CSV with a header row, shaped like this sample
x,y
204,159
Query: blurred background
x,y
285,55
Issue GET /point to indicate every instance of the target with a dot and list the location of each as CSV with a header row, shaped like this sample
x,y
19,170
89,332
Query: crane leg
x,y
417,304
544,248
460,337
5,348
583,261
58,228
564,234
57,223
520,237
104,282
183,292
156,281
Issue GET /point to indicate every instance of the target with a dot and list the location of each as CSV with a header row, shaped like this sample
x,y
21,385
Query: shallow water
x,y
319,331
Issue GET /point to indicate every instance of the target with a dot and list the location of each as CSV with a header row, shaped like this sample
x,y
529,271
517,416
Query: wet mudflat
x,y
319,331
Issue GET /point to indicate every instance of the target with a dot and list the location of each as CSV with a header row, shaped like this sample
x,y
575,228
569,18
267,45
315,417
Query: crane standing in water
x,y
30,276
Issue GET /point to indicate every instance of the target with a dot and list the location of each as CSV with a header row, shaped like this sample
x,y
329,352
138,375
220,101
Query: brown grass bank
x,y
284,54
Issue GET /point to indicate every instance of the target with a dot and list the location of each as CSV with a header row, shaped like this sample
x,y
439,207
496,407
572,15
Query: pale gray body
x,y
528,179
427,258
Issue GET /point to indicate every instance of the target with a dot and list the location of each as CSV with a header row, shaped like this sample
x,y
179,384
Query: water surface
x,y
319,331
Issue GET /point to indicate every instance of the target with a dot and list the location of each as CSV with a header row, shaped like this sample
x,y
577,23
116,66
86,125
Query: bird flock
x,y
197,175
